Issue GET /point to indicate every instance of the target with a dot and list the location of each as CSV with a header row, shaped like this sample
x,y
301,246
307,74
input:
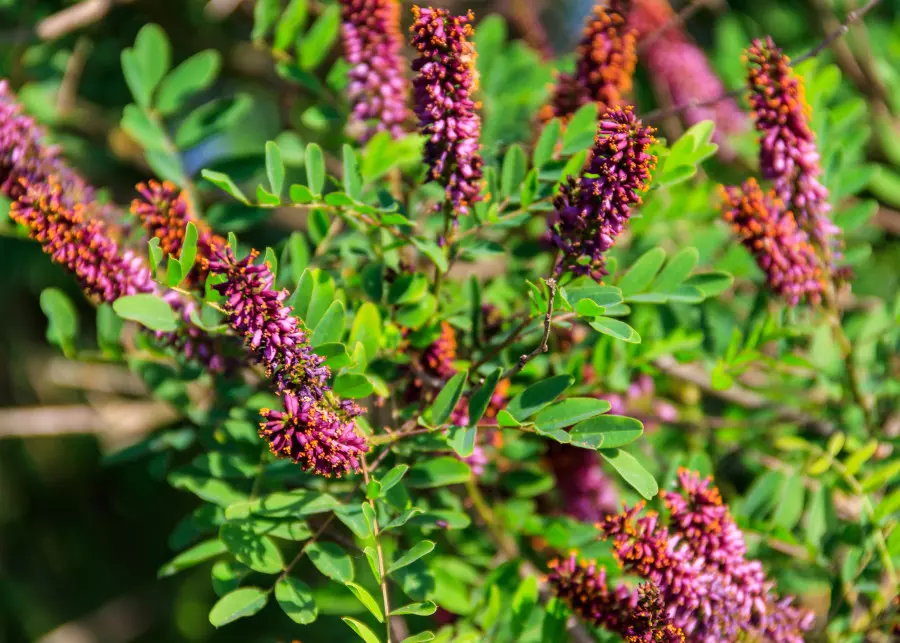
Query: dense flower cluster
x,y
164,211
638,616
377,87
591,211
313,435
437,360
789,155
445,81
104,270
680,68
782,250
604,67
25,156
259,315
319,438
709,588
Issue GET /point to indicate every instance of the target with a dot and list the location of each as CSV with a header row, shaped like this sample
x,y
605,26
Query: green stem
x,y
380,554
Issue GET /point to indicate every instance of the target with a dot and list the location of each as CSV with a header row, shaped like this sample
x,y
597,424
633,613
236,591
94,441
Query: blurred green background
x,y
80,541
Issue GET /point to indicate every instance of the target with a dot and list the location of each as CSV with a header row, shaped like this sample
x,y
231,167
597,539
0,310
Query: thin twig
x,y
854,16
542,347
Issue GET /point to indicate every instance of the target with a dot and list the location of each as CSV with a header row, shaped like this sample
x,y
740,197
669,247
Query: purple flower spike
x,y
591,211
258,313
680,68
709,588
638,616
164,211
446,79
378,89
312,436
782,250
25,155
604,67
104,270
789,155
587,493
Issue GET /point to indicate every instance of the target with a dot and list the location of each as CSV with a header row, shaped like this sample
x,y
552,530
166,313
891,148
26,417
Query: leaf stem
x,y
380,554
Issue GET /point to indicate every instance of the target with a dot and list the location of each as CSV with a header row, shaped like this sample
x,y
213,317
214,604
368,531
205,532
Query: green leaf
x,y
190,77
711,283
256,551
242,602
543,151
523,604
569,412
677,270
153,53
889,506
331,561
514,168
265,13
588,290
641,274
146,132
421,637
632,472
580,130
416,609
537,396
109,328
418,550
274,167
331,327
138,85
301,194
194,556
315,168
393,477
434,252
352,385
448,398
224,182
317,42
553,629
615,328
481,398
361,629
462,439
296,599
62,318
149,310
438,472
367,329
292,20
352,177
366,599
789,509
606,432
209,119
188,254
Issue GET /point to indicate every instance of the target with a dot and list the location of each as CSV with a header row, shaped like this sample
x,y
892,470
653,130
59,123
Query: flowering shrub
x,y
480,346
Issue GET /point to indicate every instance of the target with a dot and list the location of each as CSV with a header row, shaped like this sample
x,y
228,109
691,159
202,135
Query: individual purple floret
x,y
445,81
313,436
788,152
709,588
781,249
591,211
259,315
25,155
378,89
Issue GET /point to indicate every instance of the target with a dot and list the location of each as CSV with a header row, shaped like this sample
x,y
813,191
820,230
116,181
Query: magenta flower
x,y
378,89
259,315
709,588
587,492
313,436
781,249
637,616
788,152
105,271
591,211
604,67
25,155
681,69
165,211
445,81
